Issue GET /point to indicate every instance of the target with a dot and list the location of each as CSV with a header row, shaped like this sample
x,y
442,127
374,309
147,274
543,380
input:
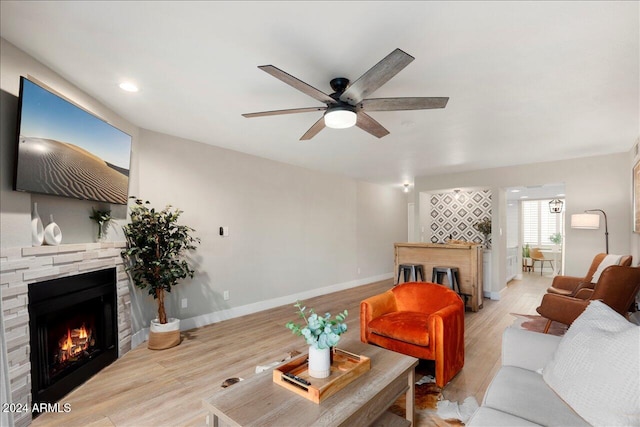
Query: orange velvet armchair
x,y
419,319
617,287
569,285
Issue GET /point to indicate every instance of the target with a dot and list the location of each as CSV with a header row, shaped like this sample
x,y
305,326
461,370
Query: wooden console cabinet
x,y
467,257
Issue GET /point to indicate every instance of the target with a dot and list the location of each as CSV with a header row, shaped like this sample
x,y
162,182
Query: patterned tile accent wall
x,y
454,215
21,266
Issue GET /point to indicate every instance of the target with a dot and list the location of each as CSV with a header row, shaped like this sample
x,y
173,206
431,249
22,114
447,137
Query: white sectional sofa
x,y
594,367
518,395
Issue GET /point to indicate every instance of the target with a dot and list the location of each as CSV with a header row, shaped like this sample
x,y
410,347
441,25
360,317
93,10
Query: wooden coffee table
x,y
258,401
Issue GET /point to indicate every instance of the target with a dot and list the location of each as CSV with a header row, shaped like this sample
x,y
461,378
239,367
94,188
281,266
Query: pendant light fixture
x,y
555,206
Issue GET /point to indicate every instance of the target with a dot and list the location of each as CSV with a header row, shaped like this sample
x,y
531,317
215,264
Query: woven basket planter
x,y
163,336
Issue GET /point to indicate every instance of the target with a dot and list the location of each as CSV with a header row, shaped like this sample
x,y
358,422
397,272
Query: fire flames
x,y
74,343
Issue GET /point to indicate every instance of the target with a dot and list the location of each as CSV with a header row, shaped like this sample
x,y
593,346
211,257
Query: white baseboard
x,y
493,295
217,316
139,337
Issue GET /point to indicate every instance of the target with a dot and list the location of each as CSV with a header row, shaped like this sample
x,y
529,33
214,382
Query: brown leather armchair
x,y
420,319
569,285
617,287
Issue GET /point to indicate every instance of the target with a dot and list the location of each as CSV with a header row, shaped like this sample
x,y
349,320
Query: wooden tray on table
x,y
346,367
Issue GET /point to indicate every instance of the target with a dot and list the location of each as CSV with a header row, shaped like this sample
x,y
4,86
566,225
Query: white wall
x,y
292,231
381,221
634,156
602,182
513,224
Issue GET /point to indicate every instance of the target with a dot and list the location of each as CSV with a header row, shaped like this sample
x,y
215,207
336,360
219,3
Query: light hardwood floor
x,y
165,388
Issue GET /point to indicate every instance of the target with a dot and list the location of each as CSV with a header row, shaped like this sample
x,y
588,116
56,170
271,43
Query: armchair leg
x,y
547,326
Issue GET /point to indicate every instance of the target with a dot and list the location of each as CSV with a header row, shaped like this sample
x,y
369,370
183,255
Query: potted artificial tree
x,y
154,259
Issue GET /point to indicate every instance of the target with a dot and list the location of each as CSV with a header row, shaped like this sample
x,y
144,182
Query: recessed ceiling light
x,y
524,197
128,87
560,195
515,191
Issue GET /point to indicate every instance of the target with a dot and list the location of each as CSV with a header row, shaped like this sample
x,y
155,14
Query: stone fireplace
x,y
76,340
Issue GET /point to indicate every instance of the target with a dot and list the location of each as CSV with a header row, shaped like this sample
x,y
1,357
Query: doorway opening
x,y
535,230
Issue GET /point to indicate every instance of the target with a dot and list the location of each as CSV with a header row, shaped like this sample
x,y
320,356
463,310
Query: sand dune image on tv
x,y
64,169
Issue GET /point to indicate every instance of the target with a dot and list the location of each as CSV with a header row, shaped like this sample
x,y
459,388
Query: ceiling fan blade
x,y
313,130
297,84
377,75
368,124
279,112
396,104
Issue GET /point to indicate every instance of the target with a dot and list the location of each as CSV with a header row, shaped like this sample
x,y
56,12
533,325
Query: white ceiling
x,y
527,81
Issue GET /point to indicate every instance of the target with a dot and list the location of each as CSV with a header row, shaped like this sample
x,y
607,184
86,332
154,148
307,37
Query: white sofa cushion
x,y
596,368
524,394
489,417
527,349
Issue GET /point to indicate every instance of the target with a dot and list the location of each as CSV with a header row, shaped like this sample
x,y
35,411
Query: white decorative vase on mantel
x,y
37,231
319,362
52,233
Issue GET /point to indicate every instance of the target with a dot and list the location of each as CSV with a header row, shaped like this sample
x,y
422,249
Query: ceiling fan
x,y
347,105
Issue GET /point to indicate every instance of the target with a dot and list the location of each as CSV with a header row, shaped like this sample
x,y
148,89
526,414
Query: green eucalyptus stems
x,y
319,332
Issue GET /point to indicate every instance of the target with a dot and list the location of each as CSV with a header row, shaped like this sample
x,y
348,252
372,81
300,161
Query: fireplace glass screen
x,y
73,339
72,321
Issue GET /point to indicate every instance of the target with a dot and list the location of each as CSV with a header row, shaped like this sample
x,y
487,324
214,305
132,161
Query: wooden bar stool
x,y
411,270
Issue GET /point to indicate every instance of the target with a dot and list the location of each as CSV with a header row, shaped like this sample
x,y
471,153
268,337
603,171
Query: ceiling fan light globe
x,y
340,118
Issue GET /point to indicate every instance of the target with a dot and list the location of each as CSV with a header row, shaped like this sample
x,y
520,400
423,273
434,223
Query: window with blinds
x,y
538,223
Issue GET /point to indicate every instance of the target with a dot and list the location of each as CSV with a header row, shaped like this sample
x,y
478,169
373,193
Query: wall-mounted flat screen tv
x,y
65,151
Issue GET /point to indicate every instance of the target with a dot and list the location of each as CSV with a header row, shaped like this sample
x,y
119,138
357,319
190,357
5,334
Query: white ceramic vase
x,y
103,229
37,231
319,362
52,234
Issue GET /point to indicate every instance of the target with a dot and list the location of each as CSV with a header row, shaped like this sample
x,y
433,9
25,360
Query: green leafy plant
x,y
526,251
483,226
156,245
556,238
319,332
102,218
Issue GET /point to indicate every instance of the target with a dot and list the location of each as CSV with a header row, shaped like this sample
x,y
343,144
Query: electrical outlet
x,y
358,270
184,303
225,295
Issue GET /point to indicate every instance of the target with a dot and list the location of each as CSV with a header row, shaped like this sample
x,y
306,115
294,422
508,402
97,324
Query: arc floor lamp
x,y
590,221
